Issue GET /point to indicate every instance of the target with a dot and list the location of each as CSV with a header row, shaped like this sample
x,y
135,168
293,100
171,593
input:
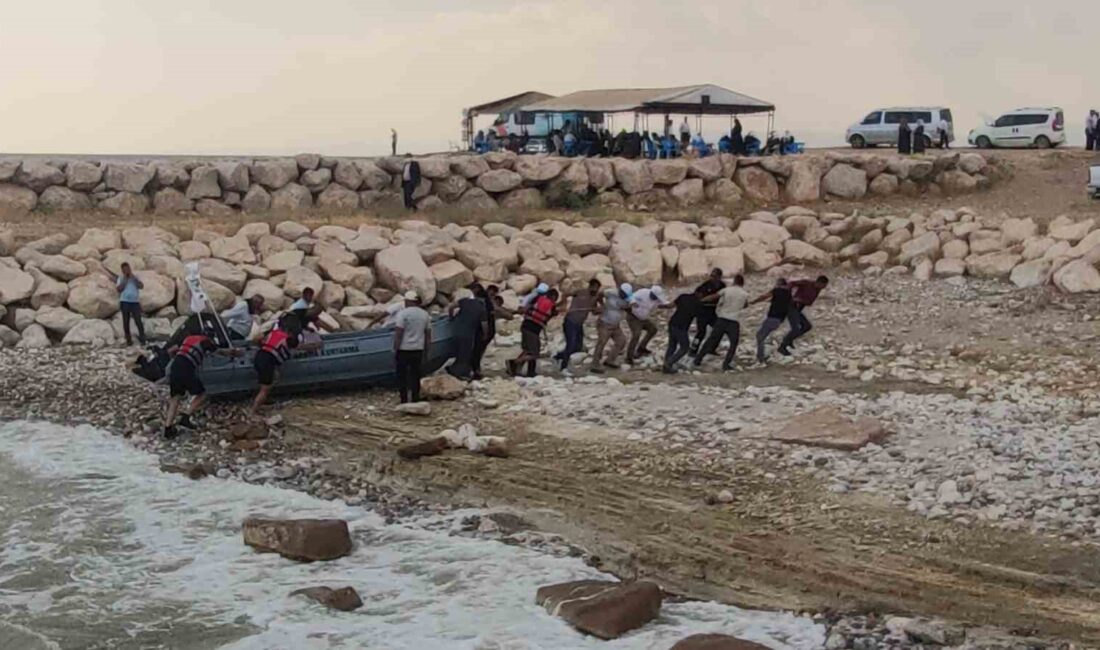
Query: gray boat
x,y
346,359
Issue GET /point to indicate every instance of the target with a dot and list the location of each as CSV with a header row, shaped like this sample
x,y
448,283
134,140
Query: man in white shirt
x,y
238,318
1092,137
685,134
643,304
732,302
412,338
943,127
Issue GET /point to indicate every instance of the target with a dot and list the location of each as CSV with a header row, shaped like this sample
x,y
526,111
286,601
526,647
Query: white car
x,y
1041,128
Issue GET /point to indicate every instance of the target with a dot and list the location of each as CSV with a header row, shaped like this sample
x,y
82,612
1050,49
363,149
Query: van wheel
x,y
858,142
983,142
927,141
1042,142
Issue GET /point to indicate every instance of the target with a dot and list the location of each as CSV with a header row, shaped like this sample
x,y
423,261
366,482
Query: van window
x,y
894,117
1031,118
873,118
1005,120
946,115
921,115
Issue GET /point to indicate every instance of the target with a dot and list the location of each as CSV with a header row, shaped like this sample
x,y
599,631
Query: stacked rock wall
x,y
216,189
55,289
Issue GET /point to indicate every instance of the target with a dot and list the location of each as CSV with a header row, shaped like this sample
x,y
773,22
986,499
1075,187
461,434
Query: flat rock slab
x,y
602,608
345,599
305,540
715,642
829,428
432,447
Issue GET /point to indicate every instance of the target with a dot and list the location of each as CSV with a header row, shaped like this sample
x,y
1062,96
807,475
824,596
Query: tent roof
x,y
682,99
508,104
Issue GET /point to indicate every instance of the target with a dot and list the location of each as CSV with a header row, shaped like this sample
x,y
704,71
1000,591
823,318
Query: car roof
x,y
913,108
1032,109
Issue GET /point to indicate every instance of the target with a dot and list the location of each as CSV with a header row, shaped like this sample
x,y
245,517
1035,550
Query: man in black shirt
x,y
778,310
485,335
706,314
687,309
468,319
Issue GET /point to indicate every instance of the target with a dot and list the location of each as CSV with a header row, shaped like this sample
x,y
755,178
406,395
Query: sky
x,y
271,77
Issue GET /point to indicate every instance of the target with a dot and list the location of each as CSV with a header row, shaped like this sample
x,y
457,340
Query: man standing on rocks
x,y
732,301
803,294
412,338
468,320
393,142
183,379
410,180
610,327
706,316
778,310
535,318
639,319
129,302
580,306
679,342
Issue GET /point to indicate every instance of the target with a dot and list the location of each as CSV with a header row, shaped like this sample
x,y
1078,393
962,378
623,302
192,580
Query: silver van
x,y
881,126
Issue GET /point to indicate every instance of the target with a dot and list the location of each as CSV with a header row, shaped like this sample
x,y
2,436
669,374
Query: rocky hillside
x,y
477,183
54,289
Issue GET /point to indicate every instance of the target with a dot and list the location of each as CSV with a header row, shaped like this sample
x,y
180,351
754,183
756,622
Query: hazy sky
x,y
332,76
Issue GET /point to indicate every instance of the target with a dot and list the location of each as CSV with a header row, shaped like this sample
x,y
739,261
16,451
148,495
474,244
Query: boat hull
x,y
351,359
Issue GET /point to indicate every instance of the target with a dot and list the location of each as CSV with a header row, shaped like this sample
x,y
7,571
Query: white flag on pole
x,y
194,283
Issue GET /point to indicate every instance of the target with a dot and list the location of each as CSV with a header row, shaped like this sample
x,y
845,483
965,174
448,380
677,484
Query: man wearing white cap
x,y
540,290
643,304
609,327
412,338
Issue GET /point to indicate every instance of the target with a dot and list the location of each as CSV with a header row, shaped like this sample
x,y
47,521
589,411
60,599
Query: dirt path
x,y
784,542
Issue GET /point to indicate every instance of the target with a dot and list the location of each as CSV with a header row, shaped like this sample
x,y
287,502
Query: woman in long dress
x,y
905,141
918,137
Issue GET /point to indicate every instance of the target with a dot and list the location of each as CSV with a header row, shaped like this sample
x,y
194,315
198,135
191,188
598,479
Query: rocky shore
x,y
476,183
55,289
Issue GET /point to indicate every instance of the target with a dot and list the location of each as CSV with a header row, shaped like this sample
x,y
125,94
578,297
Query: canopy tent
x,y
496,107
702,99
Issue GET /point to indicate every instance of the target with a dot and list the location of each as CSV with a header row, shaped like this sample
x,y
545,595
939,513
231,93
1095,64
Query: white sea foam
x,y
177,559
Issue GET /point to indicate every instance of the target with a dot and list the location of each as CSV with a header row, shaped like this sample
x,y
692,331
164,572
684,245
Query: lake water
x,y
99,549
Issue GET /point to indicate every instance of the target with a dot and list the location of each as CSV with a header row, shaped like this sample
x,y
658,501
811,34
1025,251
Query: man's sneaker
x,y
186,422
170,433
643,352
784,351
511,365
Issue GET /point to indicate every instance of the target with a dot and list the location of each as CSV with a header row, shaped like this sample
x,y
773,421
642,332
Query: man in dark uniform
x,y
410,180
706,314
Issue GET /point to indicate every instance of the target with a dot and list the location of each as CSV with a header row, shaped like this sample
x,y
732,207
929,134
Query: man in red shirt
x,y
803,294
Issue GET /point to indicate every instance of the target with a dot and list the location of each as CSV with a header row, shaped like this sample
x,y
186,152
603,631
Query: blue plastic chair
x,y
796,147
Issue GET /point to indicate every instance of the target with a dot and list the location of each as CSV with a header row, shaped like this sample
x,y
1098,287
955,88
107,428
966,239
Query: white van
x,y
881,126
1041,128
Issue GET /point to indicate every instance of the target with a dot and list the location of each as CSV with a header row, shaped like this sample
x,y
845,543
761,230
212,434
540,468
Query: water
x,y
99,549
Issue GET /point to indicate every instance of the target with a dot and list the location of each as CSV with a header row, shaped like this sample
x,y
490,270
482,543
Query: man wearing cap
x,y
609,327
540,290
639,318
412,338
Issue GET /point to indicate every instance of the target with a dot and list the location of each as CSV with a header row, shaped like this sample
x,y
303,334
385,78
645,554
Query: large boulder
x,y
845,181
171,174
101,239
536,170
57,198
635,256
708,168
804,182
581,241
1078,276
715,642
827,427
16,200
799,252
759,257
15,285
61,267
204,183
128,177
523,198
235,249
757,184
275,173
224,273
469,166
38,175
338,197
367,243
770,235
481,251
681,235
730,260
304,540
93,296
477,200
348,174
291,197
450,276
125,204
256,200
971,163
604,609
601,173
150,240
435,167
450,188
400,268
884,185
499,180
691,266
634,175
668,172
57,320
344,599
1018,230
723,191
927,246
33,337
317,179
1033,273
232,176
274,298
219,296
83,176
298,278
688,192
572,180
170,201
48,292
283,260
159,290
992,265
957,182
